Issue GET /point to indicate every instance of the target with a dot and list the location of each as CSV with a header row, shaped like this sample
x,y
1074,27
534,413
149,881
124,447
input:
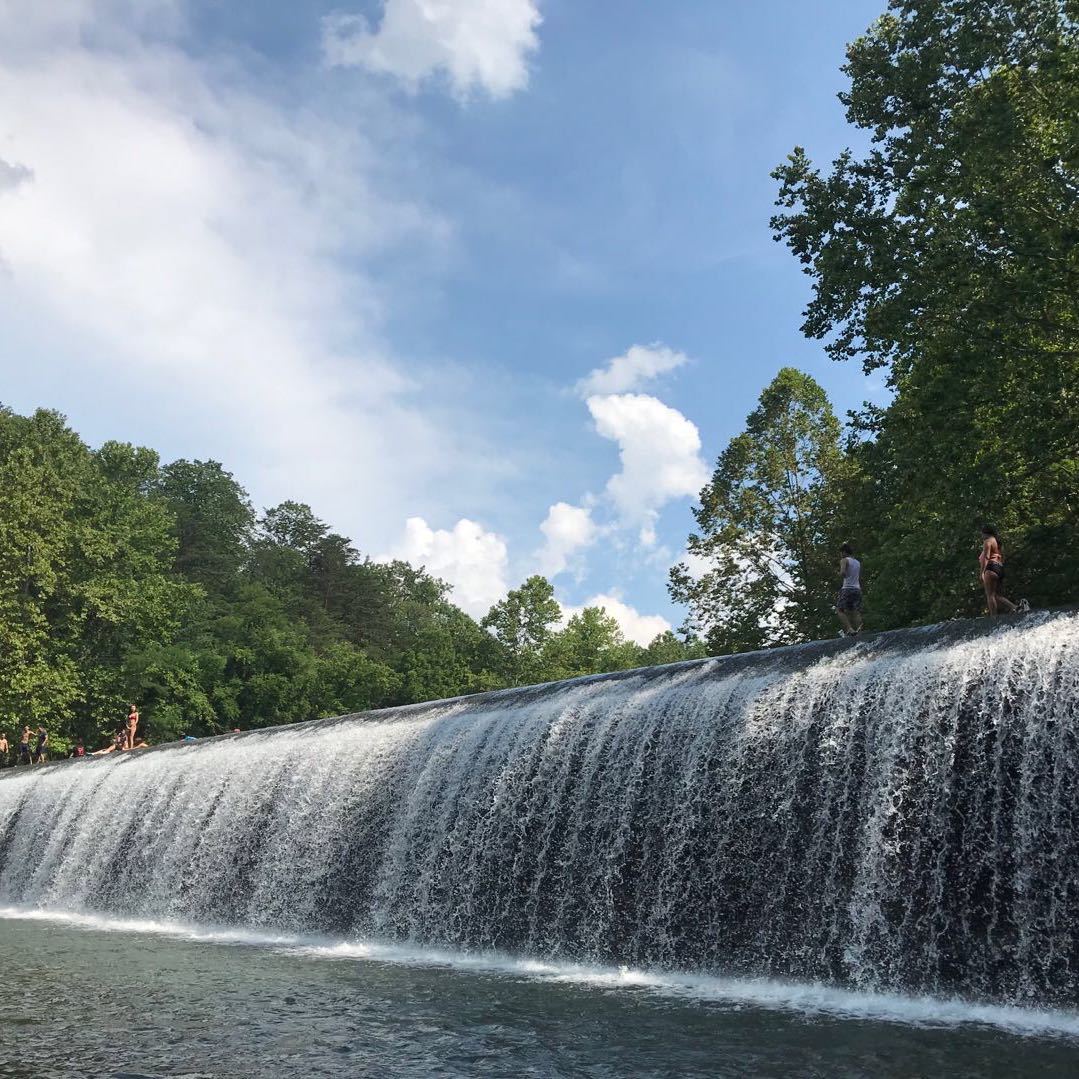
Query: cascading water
x,y
898,813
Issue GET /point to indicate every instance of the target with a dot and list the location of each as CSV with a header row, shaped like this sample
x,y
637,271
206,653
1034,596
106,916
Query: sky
x,y
488,283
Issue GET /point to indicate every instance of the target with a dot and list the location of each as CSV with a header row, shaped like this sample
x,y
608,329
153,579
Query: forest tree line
x,y
945,259
123,580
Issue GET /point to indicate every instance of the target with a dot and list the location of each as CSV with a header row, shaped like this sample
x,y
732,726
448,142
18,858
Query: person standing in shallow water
x,y
4,749
991,563
24,744
848,604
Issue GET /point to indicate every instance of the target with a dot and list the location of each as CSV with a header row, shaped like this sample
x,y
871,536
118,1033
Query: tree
x,y
522,623
591,643
214,521
947,256
667,647
769,524
86,584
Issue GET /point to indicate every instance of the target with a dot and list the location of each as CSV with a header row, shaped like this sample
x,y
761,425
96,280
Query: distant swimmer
x,y
991,563
848,604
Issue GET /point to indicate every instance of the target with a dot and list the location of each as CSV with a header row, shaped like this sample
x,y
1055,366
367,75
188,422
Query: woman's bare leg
x,y
989,582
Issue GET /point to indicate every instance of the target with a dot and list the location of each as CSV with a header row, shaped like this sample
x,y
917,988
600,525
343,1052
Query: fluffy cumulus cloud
x,y
637,627
637,365
469,558
478,44
567,530
660,454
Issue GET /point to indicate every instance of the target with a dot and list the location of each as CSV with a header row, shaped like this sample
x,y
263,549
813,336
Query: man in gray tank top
x,y
848,604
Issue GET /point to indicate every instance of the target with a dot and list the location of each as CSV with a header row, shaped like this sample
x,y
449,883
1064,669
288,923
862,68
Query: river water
x,y
88,996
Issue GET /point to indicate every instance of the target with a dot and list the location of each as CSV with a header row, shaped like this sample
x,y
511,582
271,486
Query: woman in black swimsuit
x,y
991,561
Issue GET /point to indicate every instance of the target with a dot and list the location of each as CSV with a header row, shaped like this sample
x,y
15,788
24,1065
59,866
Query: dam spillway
x,y
895,813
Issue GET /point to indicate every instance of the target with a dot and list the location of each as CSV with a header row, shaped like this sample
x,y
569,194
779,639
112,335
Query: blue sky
x,y
380,257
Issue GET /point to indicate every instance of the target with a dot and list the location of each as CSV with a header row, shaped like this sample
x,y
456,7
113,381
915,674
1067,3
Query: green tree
x,y
769,524
667,647
447,655
946,255
590,643
214,521
86,582
522,623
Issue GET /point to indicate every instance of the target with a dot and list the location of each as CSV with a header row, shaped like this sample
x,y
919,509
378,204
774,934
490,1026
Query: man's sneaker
x,y
1023,607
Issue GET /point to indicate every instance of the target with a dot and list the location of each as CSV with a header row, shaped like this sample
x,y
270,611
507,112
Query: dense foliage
x,y
947,257
122,580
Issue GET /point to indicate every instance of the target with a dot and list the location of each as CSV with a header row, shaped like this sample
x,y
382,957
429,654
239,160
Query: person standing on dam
x,y
991,564
132,728
24,744
848,604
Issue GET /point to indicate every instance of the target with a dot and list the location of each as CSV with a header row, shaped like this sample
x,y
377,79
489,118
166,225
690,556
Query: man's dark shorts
x,y
849,599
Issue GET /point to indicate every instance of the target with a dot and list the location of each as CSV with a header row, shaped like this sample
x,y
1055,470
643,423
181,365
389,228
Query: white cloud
x,y
568,530
180,241
482,44
660,452
637,365
637,627
467,557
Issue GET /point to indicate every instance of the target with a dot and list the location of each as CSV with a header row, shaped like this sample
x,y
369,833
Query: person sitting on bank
x,y
118,743
991,564
848,604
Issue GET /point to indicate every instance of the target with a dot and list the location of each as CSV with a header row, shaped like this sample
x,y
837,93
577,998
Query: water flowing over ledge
x,y
896,815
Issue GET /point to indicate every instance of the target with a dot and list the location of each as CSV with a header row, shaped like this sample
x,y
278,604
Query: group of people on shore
x,y
848,604
34,748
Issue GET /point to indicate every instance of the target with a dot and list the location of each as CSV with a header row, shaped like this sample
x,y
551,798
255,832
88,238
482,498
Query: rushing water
x,y
899,814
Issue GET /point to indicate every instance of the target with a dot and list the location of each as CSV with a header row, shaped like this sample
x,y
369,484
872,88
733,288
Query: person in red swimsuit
x,y
991,561
132,727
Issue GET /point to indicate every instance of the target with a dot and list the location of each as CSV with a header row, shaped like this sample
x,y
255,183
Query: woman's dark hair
x,y
847,549
989,530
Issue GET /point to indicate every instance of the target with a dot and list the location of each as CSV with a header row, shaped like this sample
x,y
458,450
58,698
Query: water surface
x,y
90,998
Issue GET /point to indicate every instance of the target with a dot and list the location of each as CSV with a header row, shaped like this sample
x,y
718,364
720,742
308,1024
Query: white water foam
x,y
807,999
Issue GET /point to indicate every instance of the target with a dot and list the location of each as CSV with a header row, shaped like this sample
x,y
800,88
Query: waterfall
x,y
899,813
